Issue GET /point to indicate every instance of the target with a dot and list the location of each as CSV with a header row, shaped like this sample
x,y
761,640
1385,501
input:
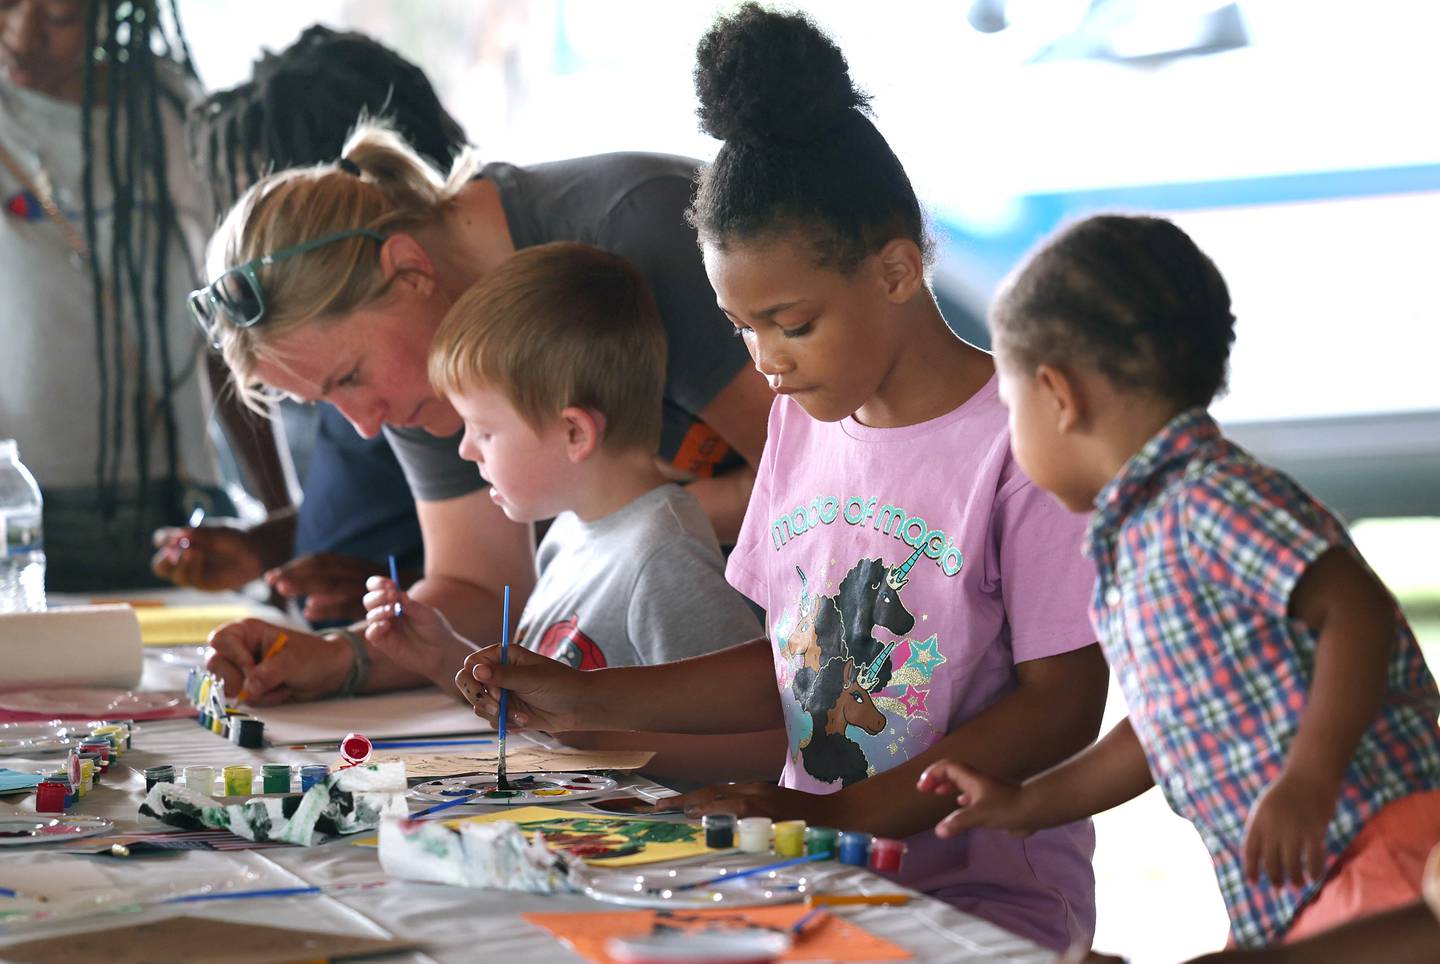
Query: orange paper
x,y
828,939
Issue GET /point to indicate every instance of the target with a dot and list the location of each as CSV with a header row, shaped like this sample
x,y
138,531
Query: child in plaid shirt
x,y
1275,692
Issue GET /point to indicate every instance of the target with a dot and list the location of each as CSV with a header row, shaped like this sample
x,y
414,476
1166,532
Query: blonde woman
x,y
329,283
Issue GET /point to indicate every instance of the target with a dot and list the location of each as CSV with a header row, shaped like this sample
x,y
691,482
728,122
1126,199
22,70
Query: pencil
x,y
275,647
829,900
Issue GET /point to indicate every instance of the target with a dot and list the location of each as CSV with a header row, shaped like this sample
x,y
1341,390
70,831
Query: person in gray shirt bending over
x,y
556,364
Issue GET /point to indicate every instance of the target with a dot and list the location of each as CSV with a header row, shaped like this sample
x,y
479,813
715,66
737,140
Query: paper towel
x,y
71,646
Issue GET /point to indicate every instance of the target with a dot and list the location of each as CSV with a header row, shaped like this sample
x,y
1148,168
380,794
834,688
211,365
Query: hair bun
x,y
764,77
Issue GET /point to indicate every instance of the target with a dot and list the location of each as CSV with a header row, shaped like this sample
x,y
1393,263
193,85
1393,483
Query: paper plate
x,y
535,788
653,887
19,830
735,947
100,703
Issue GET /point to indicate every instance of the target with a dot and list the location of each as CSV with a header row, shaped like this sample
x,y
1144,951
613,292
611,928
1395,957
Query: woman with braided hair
x,y
98,375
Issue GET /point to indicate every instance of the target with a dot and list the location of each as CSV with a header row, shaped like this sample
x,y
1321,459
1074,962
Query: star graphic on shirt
x,y
914,700
926,657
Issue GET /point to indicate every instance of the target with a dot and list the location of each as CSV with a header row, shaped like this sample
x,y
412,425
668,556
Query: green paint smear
x,y
634,831
501,794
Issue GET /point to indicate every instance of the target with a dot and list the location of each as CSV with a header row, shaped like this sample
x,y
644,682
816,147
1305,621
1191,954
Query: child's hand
x,y
759,800
980,800
1285,834
421,640
545,694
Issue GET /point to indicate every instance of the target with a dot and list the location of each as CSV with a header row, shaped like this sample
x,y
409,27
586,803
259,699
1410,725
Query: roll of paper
x,y
71,646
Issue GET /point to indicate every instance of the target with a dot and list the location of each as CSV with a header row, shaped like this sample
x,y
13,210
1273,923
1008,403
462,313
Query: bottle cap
x,y
355,749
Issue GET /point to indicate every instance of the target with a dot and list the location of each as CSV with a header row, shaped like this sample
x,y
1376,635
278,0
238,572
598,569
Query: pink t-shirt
x,y
904,572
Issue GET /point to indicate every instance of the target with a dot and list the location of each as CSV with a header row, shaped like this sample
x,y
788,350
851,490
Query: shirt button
x,y
1112,596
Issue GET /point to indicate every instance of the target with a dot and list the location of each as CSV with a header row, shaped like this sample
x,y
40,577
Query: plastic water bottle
x,y
22,546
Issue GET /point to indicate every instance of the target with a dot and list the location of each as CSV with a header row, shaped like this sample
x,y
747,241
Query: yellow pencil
x,y
275,647
819,900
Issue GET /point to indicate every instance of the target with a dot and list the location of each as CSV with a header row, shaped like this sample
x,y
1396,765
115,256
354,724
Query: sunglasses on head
x,y
237,291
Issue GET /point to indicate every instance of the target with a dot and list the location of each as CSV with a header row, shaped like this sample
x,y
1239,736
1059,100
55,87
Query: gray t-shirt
x,y
646,584
633,205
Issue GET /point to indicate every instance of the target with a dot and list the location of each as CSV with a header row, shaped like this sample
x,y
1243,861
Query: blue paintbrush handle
x,y
754,871
444,806
242,895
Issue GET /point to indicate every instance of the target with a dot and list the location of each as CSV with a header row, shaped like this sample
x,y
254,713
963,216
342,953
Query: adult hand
x,y
760,800
217,556
545,694
1285,833
333,584
980,800
308,667
420,640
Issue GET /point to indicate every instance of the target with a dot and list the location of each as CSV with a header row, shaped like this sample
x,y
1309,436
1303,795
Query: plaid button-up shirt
x,y
1198,548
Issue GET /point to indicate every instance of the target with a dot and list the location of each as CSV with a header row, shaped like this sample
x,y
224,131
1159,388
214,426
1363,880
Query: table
x,y
452,923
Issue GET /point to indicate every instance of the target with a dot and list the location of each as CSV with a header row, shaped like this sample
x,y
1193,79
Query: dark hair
x,y
799,152
139,46
302,103
1132,295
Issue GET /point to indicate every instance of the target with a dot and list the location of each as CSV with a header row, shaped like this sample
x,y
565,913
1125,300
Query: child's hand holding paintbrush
x,y
417,637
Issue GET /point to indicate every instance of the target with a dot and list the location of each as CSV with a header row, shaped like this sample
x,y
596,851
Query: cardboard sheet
x,y
640,841
198,939
522,759
828,939
423,712
185,625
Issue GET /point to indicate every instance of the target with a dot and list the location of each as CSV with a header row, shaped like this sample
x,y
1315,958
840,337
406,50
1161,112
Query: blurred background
x,y
1294,139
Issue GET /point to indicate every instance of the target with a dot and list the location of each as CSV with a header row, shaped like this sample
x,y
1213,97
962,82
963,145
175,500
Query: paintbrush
x,y
399,610
752,872
500,782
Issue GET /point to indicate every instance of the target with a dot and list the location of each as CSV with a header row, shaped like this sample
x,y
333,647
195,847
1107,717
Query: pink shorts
x,y
1382,868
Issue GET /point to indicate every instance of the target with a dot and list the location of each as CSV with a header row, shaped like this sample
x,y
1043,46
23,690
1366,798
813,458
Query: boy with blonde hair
x,y
556,363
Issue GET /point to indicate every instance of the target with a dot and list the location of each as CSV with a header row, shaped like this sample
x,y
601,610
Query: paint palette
x,y
32,738
526,789
653,888
19,830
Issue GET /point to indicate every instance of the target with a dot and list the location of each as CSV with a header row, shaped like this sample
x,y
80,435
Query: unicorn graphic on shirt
x,y
852,664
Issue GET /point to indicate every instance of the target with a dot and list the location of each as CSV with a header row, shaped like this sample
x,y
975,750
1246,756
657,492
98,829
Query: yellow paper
x,y
659,839
185,625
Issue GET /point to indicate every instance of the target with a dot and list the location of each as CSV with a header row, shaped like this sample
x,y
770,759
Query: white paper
x,y
421,713
73,646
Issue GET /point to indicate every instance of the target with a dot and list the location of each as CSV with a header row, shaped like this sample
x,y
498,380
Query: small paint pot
x,y
200,780
311,774
275,777
755,834
719,831
87,775
50,797
217,726
886,855
165,773
101,747
248,733
820,840
790,838
111,736
95,765
239,780
203,718
855,849
355,749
